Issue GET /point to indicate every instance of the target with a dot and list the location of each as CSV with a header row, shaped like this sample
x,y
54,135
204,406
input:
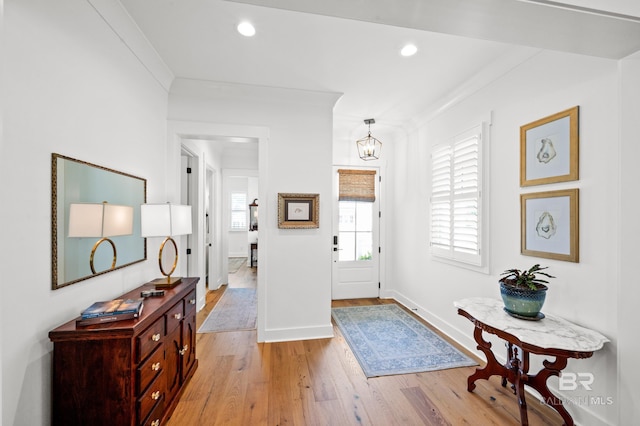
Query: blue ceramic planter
x,y
523,302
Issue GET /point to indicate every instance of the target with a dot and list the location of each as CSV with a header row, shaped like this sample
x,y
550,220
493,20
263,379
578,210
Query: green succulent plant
x,y
526,278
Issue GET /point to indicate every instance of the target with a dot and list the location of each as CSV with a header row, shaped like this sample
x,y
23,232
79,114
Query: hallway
x,y
319,382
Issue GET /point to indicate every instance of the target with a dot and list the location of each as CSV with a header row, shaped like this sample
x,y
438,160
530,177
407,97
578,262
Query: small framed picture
x,y
298,211
549,224
549,149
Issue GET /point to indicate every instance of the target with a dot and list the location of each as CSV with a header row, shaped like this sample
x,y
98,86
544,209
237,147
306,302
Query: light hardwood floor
x,y
319,382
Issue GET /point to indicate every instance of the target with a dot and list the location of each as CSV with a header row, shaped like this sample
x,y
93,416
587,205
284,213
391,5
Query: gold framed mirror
x,y
74,181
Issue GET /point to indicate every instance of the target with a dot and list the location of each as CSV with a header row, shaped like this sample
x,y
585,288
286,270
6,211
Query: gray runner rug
x,y
236,310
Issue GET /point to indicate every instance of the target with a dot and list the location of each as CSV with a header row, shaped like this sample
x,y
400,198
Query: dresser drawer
x,y
154,395
174,316
149,369
150,339
190,302
155,417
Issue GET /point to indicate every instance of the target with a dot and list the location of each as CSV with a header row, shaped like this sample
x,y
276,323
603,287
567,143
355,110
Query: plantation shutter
x,y
455,198
441,198
357,185
465,195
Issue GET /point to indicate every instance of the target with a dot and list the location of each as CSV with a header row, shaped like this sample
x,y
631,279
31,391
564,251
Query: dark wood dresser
x,y
129,372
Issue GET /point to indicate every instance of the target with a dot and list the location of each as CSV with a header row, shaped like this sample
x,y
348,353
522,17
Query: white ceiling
x,y
345,47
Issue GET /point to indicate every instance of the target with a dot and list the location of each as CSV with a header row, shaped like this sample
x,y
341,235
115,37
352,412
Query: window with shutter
x,y
456,205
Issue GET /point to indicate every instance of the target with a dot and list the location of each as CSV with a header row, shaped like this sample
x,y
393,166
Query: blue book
x,y
130,306
101,308
113,307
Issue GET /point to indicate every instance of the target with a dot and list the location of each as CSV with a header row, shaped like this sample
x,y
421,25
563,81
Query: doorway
x,y
241,191
212,259
207,141
356,233
188,191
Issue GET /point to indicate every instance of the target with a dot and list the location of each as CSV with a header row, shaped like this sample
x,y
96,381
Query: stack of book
x,y
110,311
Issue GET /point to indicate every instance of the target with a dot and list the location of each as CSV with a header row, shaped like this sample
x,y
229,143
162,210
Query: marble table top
x,y
549,332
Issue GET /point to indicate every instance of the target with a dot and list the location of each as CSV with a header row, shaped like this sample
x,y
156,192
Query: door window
x,y
355,230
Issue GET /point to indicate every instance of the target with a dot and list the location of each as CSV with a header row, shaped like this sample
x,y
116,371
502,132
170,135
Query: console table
x,y
551,336
129,372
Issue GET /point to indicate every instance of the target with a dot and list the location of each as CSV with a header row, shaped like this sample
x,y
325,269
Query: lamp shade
x,y
165,220
100,220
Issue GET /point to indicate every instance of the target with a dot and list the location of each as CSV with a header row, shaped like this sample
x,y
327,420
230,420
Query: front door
x,y
356,228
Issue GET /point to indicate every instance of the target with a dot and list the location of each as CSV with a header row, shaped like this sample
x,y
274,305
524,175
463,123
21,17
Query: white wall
x,y
3,268
586,292
629,229
294,291
73,87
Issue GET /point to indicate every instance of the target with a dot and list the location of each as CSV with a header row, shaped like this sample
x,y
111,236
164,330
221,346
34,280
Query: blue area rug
x,y
386,340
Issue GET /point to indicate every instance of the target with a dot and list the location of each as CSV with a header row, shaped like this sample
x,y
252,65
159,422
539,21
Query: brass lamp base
x,y
166,282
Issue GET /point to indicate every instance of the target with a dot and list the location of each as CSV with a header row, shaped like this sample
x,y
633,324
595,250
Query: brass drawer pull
x,y
155,395
155,337
177,316
192,301
156,366
155,422
184,349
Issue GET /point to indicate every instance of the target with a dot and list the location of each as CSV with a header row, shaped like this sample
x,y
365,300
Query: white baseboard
x,y
302,333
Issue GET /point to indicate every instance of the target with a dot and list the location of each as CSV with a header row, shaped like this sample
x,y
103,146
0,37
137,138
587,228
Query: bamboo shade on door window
x,y
357,185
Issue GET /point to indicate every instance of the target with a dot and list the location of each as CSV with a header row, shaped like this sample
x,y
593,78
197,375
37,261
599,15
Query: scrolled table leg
x,y
539,383
493,367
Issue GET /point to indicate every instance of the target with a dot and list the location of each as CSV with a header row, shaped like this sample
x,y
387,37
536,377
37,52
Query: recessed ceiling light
x,y
409,50
246,29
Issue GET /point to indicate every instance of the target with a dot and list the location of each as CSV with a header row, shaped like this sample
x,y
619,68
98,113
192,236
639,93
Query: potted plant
x,y
523,291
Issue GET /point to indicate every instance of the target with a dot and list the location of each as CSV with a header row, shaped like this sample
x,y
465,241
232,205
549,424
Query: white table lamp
x,y
165,220
104,220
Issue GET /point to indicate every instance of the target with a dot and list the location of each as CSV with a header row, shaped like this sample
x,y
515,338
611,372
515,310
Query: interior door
x,y
356,246
185,199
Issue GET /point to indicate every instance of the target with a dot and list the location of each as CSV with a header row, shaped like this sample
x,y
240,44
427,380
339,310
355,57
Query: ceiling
x,y
342,46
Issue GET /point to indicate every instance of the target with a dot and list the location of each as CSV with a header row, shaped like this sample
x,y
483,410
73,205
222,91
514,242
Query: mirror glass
x,y
74,181
253,215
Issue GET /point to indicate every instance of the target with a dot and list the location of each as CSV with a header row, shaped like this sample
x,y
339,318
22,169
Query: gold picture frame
x,y
78,181
549,149
298,211
549,224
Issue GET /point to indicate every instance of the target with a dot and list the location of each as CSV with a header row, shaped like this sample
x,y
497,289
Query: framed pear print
x,y
549,149
549,224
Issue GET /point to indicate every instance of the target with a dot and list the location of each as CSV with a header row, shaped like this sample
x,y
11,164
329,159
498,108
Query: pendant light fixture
x,y
369,147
